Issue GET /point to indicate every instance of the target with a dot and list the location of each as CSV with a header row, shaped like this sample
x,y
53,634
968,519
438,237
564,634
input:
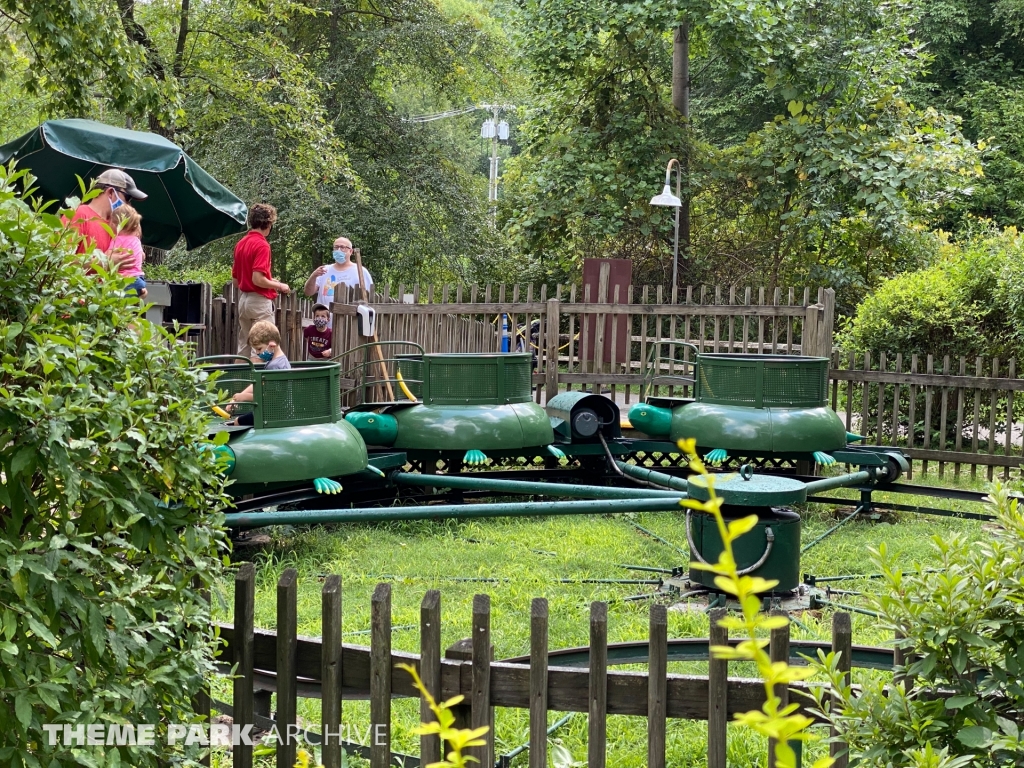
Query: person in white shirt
x,y
343,271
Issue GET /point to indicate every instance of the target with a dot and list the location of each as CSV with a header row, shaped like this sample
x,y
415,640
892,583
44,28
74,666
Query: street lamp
x,y
668,200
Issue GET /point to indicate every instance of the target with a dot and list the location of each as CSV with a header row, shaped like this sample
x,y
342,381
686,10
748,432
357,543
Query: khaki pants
x,y
252,307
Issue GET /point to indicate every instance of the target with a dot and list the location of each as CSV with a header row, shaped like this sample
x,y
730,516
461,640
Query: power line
x,y
429,118
438,115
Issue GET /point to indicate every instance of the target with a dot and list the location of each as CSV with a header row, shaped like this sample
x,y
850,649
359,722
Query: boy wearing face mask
x,y
265,340
318,335
343,271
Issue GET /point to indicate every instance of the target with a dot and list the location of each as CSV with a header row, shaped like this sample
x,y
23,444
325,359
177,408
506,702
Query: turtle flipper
x,y
716,456
474,458
558,453
326,485
823,459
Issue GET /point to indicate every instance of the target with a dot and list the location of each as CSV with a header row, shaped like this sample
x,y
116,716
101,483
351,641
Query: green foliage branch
x,y
958,701
782,723
456,739
109,533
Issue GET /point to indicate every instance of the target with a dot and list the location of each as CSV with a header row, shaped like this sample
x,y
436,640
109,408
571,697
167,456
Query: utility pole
x,y
681,103
496,130
492,189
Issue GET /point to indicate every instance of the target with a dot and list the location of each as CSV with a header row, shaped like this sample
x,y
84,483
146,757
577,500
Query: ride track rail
x,y
365,493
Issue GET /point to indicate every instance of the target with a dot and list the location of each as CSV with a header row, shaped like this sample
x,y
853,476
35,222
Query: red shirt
x,y
252,254
94,229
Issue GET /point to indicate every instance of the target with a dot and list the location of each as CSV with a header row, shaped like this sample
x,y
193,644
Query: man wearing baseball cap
x,y
93,220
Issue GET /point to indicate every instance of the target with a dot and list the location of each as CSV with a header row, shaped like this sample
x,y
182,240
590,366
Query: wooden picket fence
x,y
578,341
601,345
279,662
949,412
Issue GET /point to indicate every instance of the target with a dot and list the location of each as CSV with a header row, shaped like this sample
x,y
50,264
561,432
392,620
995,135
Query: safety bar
x,y
651,378
208,358
360,371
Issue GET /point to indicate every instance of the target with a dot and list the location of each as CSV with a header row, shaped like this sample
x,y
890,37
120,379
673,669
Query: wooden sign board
x,y
606,279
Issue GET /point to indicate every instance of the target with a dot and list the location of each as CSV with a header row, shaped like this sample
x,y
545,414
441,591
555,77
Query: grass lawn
x,y
526,558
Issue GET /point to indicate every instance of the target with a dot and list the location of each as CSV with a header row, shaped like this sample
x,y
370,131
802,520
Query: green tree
x,y
416,204
977,72
109,521
178,67
827,148
300,104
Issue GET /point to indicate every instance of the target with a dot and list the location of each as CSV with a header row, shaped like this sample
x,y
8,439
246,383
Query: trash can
x,y
186,304
160,297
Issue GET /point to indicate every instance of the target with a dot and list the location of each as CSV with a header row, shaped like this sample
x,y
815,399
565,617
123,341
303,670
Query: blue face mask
x,y
340,256
266,355
118,202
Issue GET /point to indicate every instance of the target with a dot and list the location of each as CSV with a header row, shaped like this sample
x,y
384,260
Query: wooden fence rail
x,y
265,662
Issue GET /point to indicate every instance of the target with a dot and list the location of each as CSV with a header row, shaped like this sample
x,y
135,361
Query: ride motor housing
x,y
578,417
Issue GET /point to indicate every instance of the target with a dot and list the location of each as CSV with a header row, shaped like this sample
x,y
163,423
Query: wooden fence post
x,y
330,675
657,686
778,650
809,343
718,689
842,644
826,329
901,657
480,700
597,725
201,702
380,677
287,657
430,670
539,683
460,651
242,704
551,358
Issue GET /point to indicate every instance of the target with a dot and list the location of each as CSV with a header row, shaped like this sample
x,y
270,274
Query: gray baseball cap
x,y
112,177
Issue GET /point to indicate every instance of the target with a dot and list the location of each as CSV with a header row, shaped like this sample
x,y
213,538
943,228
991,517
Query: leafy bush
x,y
964,626
108,530
1011,297
957,306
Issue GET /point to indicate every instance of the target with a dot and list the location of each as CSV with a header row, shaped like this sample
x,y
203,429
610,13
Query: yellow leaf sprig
x,y
457,739
783,724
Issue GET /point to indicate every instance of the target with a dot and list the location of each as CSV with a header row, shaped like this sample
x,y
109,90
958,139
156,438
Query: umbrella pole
x,y
374,350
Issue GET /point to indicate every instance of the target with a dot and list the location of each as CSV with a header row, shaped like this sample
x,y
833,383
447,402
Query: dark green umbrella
x,y
183,199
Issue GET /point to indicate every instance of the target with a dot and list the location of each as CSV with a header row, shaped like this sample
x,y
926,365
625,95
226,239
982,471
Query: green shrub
x,y
964,627
957,306
1010,295
108,523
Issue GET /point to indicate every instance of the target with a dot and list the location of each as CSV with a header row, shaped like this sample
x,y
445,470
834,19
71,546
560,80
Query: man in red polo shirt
x,y
251,273
93,220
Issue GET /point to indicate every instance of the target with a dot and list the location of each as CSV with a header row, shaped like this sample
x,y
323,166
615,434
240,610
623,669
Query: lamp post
x,y
668,200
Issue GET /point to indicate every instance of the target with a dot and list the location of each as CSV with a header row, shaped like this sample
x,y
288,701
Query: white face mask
x,y
117,202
